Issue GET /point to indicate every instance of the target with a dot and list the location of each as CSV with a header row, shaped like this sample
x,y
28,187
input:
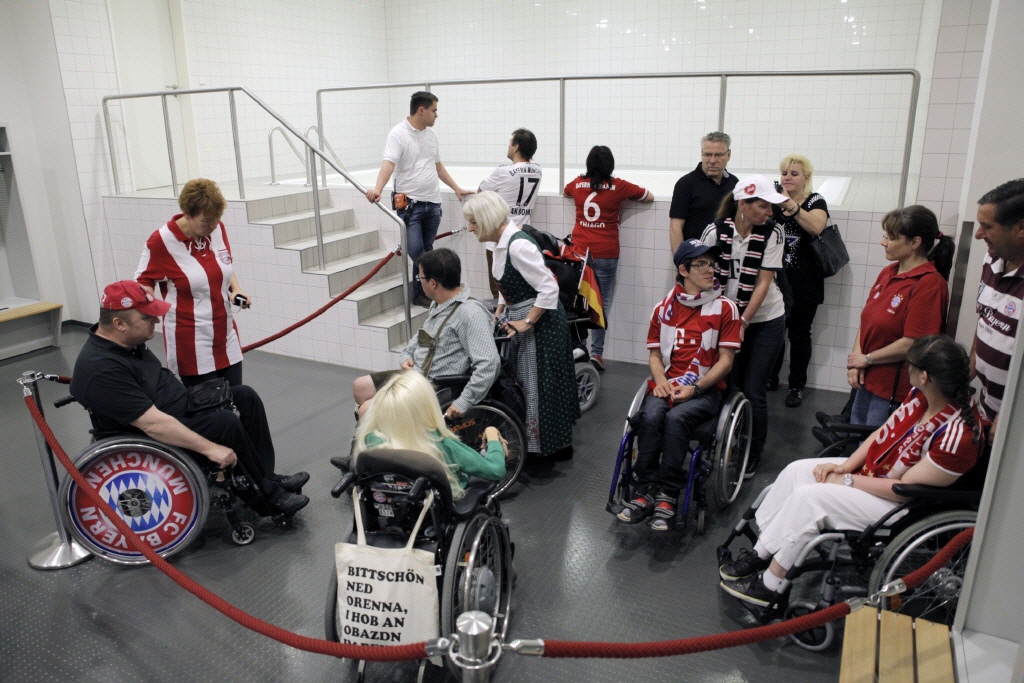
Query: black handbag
x,y
213,394
830,251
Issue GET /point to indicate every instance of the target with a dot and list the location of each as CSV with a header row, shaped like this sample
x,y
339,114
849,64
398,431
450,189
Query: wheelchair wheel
x,y
588,382
477,574
156,489
815,639
732,447
470,429
936,599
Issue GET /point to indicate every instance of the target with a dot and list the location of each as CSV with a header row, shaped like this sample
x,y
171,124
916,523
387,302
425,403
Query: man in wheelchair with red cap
x,y
125,388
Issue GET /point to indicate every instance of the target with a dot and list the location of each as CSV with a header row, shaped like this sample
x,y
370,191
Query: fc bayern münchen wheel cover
x,y
160,493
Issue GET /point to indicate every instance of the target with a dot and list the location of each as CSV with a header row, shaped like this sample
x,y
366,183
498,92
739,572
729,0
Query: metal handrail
x,y
324,142
315,152
304,158
723,77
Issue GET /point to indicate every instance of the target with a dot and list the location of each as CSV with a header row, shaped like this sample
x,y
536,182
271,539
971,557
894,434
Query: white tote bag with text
x,y
386,596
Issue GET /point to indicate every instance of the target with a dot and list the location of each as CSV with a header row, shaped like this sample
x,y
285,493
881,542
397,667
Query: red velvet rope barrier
x,y
921,574
552,648
367,652
323,309
668,648
320,311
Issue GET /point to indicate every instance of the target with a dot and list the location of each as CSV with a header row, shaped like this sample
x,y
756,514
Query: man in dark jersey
x,y
697,194
126,389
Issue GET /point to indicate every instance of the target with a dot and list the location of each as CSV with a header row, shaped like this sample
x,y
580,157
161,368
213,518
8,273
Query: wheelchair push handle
x,y
344,485
61,402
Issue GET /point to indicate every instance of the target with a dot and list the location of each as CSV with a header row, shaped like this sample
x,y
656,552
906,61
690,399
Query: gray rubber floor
x,y
582,575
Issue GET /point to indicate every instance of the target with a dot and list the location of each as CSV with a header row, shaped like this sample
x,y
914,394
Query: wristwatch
x,y
867,358
697,391
848,480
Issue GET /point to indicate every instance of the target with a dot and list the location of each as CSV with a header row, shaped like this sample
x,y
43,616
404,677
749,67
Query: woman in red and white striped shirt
x,y
190,259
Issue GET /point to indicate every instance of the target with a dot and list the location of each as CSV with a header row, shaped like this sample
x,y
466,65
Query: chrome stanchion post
x,y
60,550
476,655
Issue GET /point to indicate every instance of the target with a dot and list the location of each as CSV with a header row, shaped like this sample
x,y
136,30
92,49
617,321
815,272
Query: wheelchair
x,y
159,491
504,408
717,460
468,538
841,564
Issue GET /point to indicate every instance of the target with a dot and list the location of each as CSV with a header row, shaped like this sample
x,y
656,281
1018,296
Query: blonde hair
x,y
489,211
405,414
805,165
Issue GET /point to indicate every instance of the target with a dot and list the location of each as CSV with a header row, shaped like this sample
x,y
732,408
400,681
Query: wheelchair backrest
x,y
387,477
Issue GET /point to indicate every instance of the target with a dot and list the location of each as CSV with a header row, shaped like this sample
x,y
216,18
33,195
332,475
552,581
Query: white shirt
x,y
527,259
773,305
415,154
518,184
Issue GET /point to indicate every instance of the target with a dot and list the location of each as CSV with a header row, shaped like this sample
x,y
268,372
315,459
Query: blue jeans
x,y
869,409
762,344
604,271
422,220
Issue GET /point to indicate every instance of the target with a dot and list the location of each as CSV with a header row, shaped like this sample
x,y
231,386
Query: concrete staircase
x,y
350,252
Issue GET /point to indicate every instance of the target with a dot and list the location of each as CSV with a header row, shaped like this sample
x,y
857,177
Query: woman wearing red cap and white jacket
x,y
752,247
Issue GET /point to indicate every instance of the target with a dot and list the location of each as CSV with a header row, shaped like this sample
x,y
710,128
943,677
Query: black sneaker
x,y
287,502
744,565
751,590
794,398
292,483
752,462
422,300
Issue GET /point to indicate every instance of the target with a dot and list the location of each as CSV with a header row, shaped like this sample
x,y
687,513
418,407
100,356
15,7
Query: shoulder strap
x,y
429,360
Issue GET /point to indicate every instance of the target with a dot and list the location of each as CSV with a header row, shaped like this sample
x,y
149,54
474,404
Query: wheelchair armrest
x,y
943,493
847,429
450,381
477,491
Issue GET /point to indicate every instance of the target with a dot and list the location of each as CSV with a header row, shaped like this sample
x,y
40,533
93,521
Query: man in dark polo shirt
x,y
126,389
697,194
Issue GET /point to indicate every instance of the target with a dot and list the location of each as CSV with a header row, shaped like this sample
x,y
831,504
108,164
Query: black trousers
x,y
798,325
248,436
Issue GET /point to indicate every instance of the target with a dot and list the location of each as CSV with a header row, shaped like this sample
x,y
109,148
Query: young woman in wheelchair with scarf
x,y
933,438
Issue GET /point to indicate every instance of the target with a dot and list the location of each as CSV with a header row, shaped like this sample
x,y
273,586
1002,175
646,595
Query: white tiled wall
x,y
285,49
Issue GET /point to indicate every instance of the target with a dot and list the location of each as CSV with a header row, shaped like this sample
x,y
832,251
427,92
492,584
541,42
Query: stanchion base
x,y
58,554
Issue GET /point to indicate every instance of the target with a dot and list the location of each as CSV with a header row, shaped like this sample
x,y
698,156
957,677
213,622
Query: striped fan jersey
x,y
200,335
945,440
1000,296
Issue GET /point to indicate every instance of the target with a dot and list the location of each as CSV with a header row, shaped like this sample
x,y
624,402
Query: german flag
x,y
590,292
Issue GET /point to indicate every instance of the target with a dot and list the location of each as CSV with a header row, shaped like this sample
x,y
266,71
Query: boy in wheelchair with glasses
x,y
693,336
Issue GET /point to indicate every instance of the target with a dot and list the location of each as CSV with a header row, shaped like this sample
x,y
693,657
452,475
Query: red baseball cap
x,y
128,294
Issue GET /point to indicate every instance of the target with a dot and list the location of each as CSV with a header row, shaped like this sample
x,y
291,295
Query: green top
x,y
467,462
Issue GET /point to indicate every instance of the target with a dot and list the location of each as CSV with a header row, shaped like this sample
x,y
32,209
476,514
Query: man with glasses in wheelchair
x,y
933,438
693,337
125,388
457,338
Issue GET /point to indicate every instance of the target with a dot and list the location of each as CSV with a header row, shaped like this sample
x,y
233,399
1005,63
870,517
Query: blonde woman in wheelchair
x,y
933,438
405,415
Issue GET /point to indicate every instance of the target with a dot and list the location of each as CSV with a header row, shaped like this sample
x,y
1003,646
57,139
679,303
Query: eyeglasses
x,y
420,278
714,155
701,265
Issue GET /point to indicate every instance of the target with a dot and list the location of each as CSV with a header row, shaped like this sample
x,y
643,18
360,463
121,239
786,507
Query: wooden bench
x,y
896,648
28,325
